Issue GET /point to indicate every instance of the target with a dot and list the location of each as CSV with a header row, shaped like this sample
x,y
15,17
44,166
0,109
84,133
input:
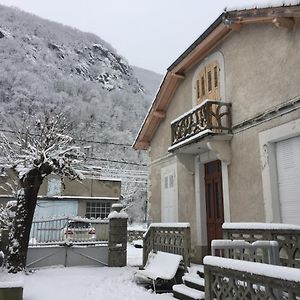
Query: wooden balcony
x,y
209,117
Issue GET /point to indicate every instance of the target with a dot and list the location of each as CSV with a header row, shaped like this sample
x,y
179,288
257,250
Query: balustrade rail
x,y
168,237
287,236
210,116
231,279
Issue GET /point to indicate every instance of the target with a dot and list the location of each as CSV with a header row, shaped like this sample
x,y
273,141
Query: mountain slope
x,y
46,66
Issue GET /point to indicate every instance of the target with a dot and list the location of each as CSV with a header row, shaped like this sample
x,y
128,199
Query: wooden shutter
x,y
213,81
208,83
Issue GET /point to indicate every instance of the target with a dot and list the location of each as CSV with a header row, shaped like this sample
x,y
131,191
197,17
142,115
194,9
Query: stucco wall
x,y
261,71
260,68
86,188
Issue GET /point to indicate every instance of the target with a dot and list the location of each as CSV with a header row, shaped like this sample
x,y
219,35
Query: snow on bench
x,y
160,265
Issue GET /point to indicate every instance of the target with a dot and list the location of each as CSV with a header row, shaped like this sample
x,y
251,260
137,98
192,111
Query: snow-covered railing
x,y
52,230
287,236
168,237
259,251
209,116
227,278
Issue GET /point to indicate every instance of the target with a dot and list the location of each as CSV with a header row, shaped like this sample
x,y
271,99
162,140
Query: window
x,y
208,83
97,209
54,187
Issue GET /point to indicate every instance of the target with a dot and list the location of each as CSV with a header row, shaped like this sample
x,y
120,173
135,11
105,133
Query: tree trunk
x,y
20,231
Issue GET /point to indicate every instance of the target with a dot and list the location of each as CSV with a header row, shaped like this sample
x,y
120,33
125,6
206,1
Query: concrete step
x,y
200,271
194,281
182,292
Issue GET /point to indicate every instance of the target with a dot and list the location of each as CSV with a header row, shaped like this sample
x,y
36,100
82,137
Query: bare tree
x,y
39,148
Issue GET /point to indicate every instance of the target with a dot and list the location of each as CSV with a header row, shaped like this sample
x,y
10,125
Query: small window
x,y
54,187
97,209
209,83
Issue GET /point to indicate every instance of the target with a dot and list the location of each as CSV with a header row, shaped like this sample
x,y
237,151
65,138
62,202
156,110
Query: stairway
x,y
192,287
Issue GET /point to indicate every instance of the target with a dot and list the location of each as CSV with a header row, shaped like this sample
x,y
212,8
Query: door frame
x,y
200,161
214,224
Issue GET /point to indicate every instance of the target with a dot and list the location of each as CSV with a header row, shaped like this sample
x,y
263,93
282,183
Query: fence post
x,y
117,237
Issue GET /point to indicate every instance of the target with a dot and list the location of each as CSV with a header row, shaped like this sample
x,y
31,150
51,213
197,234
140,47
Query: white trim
x,y
170,169
200,202
267,140
225,186
216,56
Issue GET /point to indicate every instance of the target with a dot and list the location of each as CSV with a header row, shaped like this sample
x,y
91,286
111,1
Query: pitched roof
x,y
227,22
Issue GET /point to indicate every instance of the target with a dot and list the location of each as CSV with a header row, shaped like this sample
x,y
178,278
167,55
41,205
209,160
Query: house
x,y
223,132
92,197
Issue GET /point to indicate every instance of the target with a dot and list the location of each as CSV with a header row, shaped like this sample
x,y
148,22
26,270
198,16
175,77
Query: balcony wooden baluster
x,y
211,117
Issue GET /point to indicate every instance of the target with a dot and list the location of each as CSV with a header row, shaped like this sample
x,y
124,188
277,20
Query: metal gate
x,y
49,247
67,255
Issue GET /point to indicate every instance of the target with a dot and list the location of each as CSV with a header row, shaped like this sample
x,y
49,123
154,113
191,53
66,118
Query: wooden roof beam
x,y
178,75
142,145
160,114
284,22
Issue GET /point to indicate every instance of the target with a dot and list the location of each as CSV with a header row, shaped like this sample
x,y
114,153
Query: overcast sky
x,y
149,33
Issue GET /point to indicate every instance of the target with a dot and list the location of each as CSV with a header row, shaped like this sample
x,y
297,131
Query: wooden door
x,y
214,201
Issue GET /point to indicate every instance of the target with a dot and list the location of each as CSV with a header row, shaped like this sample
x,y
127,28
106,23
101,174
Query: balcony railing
x,y
208,117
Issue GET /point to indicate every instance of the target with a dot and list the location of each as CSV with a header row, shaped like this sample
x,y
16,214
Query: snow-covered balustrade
x,y
207,117
259,251
227,278
287,236
168,237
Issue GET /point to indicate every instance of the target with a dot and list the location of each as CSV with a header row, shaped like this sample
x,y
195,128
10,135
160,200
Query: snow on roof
x,y
268,226
263,4
279,272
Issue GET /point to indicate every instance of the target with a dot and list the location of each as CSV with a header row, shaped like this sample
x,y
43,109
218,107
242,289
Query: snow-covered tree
x,y
41,147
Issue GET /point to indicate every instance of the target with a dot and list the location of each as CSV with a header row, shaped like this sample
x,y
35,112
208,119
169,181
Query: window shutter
x,y
208,83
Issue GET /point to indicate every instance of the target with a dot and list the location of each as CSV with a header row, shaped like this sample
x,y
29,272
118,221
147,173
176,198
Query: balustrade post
x,y
207,280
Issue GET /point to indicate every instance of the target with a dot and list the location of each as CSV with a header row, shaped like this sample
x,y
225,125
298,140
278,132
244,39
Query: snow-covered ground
x,y
90,283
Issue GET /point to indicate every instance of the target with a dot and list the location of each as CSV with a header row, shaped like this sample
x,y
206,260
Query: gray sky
x,y
149,33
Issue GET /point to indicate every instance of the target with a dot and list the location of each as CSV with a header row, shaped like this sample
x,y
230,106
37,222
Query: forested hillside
x,y
46,66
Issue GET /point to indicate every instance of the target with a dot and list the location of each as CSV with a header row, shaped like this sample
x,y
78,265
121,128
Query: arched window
x,y
208,83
